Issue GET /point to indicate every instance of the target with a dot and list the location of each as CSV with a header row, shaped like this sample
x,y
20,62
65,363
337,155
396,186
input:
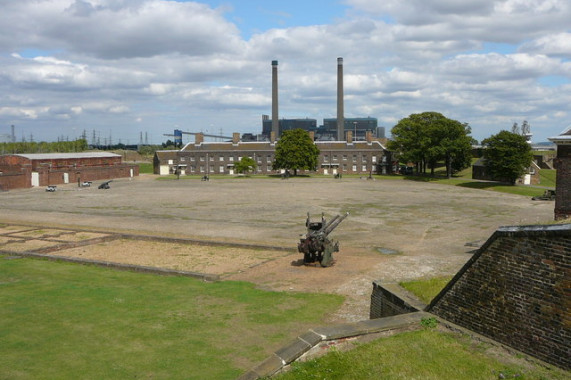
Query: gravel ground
x,y
426,225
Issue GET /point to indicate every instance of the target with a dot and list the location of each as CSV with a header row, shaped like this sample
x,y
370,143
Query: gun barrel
x,y
334,223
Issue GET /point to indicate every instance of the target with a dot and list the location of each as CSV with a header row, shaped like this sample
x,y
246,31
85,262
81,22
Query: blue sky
x,y
121,68
255,16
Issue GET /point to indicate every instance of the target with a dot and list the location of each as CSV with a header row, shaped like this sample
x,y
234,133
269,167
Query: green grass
x,y
70,321
547,177
426,290
145,168
424,354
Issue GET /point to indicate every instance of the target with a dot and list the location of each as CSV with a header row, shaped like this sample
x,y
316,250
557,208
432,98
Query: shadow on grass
x,y
483,185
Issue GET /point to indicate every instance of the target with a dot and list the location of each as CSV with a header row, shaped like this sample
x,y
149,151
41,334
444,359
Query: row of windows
x,y
354,158
223,169
269,158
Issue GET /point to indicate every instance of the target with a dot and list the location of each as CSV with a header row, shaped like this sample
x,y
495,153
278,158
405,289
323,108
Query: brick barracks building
x,y
336,157
563,180
31,170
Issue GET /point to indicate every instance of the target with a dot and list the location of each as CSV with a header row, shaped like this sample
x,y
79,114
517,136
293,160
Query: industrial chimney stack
x,y
275,118
340,111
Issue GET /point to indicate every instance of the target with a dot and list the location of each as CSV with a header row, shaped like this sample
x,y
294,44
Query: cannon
x,y
316,246
105,185
548,195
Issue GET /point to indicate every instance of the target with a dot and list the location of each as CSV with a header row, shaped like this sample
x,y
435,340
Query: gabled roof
x,y
267,146
63,156
563,138
166,154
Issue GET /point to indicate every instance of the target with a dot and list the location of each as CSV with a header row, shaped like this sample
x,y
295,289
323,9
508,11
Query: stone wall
x,y
517,290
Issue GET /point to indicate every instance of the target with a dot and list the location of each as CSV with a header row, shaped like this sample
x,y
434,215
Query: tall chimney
x,y
275,117
340,112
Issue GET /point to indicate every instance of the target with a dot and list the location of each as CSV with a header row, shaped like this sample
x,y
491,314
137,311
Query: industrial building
x,y
340,152
48,169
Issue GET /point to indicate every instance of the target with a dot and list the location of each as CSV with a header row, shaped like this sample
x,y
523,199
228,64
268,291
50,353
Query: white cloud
x,y
558,45
131,65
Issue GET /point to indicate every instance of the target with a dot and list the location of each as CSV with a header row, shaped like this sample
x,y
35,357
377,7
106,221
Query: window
x,y
211,169
221,168
221,158
202,169
170,162
334,157
354,168
231,158
364,159
344,157
326,158
354,158
202,158
182,159
192,159
374,159
269,160
211,158
364,168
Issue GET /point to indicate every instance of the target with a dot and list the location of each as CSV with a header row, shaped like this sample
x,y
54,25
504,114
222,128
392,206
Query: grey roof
x,y
59,156
563,138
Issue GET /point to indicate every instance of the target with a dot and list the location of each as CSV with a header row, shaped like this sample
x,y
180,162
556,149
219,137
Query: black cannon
x,y
316,246
105,185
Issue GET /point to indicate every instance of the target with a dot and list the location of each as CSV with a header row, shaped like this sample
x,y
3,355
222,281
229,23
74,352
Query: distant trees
x,y
245,165
507,156
428,138
296,150
79,145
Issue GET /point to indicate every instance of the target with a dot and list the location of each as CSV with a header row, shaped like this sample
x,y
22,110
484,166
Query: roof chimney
x,y
198,138
275,117
235,138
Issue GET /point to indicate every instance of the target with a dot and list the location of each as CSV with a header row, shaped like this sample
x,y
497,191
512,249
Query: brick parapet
x,y
563,182
390,299
516,290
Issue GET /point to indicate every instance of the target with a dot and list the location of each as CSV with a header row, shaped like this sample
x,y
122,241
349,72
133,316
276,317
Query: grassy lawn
x,y
145,168
68,321
426,290
424,354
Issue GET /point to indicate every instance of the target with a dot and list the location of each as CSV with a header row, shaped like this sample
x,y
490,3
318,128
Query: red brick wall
x,y
15,181
563,182
515,290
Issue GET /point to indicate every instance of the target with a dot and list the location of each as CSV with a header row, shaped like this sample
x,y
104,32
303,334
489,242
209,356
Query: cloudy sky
x,y
126,67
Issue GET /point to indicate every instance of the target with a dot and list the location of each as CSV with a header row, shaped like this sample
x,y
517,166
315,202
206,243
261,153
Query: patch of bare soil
x,y
185,257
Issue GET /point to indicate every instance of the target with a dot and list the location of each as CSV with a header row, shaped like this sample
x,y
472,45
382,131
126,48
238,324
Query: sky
x,y
119,70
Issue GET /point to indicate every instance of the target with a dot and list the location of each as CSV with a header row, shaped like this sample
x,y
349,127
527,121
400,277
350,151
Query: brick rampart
x,y
563,182
517,290
390,299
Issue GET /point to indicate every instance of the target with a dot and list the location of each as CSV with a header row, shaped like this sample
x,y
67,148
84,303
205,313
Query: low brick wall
x,y
517,290
390,299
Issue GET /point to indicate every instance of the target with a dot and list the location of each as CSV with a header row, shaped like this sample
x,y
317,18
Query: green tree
x,y
245,165
507,156
295,150
428,138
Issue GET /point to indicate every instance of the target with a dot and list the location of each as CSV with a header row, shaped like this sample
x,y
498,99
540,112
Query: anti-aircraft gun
x,y
316,246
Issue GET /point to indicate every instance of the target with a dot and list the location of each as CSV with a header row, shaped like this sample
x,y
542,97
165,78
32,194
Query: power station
x,y
340,151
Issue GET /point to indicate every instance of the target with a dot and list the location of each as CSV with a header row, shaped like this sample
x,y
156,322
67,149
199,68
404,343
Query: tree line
x,y
426,140
79,145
